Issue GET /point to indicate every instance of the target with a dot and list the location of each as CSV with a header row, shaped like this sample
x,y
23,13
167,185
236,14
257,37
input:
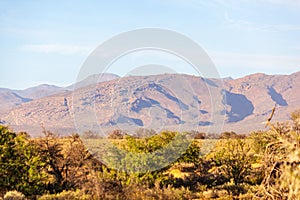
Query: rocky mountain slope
x,y
12,98
167,101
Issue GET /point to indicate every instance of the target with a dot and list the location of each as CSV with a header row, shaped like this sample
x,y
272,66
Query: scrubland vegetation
x,y
261,165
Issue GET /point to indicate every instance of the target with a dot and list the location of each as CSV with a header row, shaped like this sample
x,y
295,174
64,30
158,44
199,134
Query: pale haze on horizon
x,y
48,41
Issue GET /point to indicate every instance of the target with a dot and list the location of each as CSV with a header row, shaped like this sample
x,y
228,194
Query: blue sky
x,y
48,41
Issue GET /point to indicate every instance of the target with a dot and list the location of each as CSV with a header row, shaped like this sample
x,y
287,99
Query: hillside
x,y
168,101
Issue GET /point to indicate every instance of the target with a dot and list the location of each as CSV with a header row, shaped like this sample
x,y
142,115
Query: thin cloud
x,y
57,49
283,2
294,4
233,62
252,26
191,3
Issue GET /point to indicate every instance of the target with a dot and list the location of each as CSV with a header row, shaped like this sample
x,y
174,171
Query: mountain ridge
x,y
17,97
162,101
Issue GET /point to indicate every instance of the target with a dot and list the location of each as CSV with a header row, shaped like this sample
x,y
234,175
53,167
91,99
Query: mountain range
x,y
166,101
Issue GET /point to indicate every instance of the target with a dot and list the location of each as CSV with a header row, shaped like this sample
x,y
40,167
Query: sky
x,y
48,41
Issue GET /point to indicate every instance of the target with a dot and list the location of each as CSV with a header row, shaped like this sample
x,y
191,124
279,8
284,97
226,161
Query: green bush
x,y
21,166
148,153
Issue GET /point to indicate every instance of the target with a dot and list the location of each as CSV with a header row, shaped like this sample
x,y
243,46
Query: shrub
x,y
156,192
295,115
143,133
116,134
14,195
66,195
90,135
231,135
281,161
198,135
277,161
235,158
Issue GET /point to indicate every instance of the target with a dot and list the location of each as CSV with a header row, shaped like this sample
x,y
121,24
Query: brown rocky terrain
x,y
167,101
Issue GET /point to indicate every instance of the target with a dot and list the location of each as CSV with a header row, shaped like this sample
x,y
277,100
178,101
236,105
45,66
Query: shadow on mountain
x,y
203,111
128,120
171,115
24,100
277,97
209,82
241,107
168,95
139,104
205,123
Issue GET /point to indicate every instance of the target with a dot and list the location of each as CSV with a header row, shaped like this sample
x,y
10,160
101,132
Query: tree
x,y
147,158
68,161
21,166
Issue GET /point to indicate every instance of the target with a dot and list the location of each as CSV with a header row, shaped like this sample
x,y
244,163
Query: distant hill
x,y
39,91
96,78
12,98
169,101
